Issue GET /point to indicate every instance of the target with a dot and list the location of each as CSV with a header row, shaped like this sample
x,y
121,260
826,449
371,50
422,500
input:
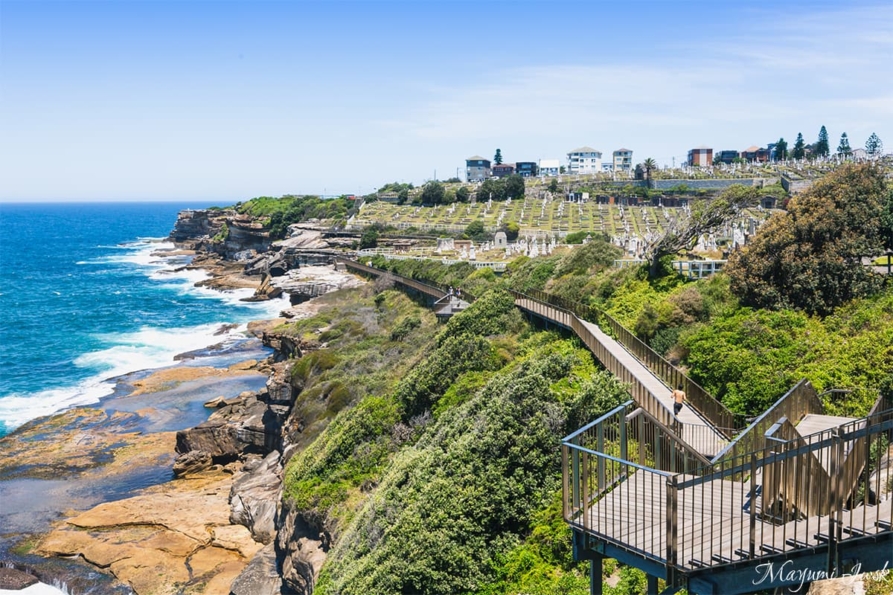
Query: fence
x,y
389,254
794,405
589,475
430,289
803,493
568,319
745,507
712,410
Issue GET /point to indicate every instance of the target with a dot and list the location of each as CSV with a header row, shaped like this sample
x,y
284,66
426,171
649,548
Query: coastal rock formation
x,y
245,425
192,462
261,576
303,548
175,536
254,497
192,226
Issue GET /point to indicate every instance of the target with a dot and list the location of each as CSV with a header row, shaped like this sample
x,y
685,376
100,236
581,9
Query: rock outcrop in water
x,y
247,425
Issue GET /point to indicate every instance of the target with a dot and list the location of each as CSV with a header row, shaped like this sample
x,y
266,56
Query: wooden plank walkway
x,y
713,522
695,431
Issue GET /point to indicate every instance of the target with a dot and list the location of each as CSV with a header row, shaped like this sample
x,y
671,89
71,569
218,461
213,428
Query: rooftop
x,y
477,158
584,150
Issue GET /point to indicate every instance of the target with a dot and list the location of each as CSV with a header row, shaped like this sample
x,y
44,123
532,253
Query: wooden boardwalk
x,y
692,428
713,524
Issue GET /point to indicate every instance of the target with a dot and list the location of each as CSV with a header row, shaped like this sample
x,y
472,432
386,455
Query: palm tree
x,y
649,165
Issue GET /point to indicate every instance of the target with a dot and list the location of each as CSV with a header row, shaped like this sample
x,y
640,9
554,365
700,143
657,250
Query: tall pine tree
x,y
822,149
799,147
844,147
873,146
781,150
497,159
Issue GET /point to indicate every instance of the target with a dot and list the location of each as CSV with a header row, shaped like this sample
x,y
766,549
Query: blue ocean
x,y
85,297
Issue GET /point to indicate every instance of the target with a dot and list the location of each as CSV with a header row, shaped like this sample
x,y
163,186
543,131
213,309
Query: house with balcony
x,y
549,167
477,169
623,160
700,157
527,169
503,169
584,160
755,153
727,156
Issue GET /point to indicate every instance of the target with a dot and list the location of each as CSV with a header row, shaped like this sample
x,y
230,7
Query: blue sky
x,y
152,100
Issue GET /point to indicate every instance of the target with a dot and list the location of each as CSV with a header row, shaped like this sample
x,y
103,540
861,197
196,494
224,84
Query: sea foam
x,y
149,347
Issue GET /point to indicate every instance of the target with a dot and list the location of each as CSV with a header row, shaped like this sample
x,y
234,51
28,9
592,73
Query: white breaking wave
x,y
148,348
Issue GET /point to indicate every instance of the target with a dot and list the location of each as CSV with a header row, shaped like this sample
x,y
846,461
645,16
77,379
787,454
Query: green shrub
x,y
406,326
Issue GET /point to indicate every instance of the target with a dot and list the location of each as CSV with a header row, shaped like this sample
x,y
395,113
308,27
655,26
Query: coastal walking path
x,y
697,432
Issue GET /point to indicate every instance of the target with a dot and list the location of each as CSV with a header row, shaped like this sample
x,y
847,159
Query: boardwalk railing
x,y
794,405
712,410
570,320
589,475
777,508
429,289
746,507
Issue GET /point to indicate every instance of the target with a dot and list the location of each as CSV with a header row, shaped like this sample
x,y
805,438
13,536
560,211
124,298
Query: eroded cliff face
x,y
192,226
201,230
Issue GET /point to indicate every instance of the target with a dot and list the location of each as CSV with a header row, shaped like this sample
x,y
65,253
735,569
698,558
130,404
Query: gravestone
x,y
500,239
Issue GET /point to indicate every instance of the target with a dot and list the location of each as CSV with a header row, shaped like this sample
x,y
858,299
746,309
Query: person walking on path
x,y
678,399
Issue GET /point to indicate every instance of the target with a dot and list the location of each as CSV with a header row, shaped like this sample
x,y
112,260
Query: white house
x,y
550,167
584,160
623,160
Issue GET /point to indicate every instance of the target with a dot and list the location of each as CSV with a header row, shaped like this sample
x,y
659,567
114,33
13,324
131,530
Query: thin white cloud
x,y
780,72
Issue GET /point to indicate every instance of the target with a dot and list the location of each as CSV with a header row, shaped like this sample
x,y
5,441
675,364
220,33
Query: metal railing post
x,y
753,504
671,527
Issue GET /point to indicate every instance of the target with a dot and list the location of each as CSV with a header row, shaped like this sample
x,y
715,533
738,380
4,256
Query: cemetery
x,y
544,222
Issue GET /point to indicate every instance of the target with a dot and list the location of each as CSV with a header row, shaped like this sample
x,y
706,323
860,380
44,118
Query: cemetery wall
x,y
712,184
794,186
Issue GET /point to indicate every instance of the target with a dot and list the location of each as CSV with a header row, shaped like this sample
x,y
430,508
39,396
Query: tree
x,y
491,189
497,159
649,165
887,221
810,256
799,147
432,193
873,146
553,186
462,194
514,186
511,229
369,239
781,150
562,169
476,231
706,217
822,149
402,196
844,147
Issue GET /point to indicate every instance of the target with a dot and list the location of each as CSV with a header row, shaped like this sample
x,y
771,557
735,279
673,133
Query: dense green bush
x,y
809,256
451,508
750,358
293,209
